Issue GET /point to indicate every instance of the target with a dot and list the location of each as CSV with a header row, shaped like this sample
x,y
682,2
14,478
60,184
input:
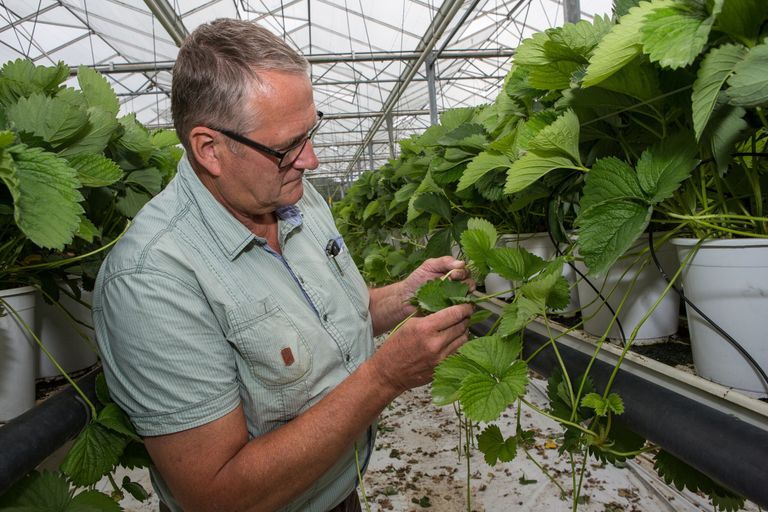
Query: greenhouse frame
x,y
589,176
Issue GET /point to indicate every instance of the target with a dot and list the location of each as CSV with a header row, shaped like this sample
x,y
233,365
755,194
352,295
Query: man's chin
x,y
292,192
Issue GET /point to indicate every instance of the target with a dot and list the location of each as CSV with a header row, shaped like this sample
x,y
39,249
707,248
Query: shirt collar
x,y
230,235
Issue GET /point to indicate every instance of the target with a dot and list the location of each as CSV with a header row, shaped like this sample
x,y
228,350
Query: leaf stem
x,y
360,479
559,420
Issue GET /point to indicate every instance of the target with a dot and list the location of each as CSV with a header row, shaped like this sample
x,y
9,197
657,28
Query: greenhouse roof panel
x,y
361,52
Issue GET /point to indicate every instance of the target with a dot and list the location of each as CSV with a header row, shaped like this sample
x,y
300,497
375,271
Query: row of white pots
x,y
21,360
726,279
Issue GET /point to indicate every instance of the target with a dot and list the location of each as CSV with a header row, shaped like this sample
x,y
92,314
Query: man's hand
x,y
407,359
391,304
433,268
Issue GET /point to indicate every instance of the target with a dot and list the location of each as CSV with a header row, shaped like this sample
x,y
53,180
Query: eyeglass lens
x,y
293,154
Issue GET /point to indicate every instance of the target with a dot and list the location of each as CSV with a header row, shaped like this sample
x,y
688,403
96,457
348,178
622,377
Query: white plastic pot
x,y
494,284
728,281
72,345
648,286
18,352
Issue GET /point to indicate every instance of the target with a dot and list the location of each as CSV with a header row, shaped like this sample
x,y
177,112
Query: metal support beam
x,y
443,18
391,134
29,17
571,11
346,143
431,88
370,155
333,58
167,65
379,113
168,18
347,115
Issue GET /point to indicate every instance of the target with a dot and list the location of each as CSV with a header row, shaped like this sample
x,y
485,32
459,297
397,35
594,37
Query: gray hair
x,y
217,70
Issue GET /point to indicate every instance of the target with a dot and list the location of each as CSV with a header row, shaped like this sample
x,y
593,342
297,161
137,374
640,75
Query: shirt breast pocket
x,y
270,342
351,281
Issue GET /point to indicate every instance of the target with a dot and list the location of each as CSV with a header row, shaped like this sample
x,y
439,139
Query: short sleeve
x,y
166,359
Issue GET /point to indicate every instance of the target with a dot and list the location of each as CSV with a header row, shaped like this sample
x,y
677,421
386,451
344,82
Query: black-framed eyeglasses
x,y
287,157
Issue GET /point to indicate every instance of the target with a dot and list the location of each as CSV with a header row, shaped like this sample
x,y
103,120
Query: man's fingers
x,y
445,264
456,344
452,315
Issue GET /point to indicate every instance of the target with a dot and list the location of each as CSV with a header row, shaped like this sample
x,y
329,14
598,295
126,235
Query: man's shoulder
x,y
153,236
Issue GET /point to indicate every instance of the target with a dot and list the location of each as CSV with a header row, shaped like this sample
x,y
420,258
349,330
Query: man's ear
x,y
207,149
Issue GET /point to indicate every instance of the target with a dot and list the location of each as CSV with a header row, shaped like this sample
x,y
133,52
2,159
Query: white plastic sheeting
x,y
115,32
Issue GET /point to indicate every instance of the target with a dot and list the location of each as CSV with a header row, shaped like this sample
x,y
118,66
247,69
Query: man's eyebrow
x,y
298,138
294,140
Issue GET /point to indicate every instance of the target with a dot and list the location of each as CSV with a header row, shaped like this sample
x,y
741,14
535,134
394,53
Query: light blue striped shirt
x,y
195,314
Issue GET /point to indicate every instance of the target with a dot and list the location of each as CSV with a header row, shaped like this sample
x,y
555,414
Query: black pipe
x,y
730,451
29,439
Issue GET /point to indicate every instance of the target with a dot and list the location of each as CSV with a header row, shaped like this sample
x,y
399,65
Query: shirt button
x,y
349,357
301,280
325,317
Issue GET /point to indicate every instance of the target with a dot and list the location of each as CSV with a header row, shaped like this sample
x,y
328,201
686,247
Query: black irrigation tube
x,y
29,439
729,450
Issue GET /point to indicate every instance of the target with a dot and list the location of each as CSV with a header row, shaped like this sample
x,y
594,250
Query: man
x,y
234,328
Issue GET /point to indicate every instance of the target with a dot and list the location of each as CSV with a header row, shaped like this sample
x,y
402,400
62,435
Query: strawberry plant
x,y
73,173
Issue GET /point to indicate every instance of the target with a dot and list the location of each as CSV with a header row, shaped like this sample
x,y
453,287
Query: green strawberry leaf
x,y
135,489
112,417
135,455
596,402
436,204
561,138
621,45
97,91
748,83
45,196
87,230
608,229
494,354
481,165
674,36
715,69
22,78
484,397
95,136
94,453
531,167
681,475
609,179
517,315
53,119
131,202
93,501
477,245
449,375
439,294
95,170
494,447
514,263
37,492
665,165
620,439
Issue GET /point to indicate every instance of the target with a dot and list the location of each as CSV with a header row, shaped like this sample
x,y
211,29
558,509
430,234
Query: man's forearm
x,y
270,471
388,307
